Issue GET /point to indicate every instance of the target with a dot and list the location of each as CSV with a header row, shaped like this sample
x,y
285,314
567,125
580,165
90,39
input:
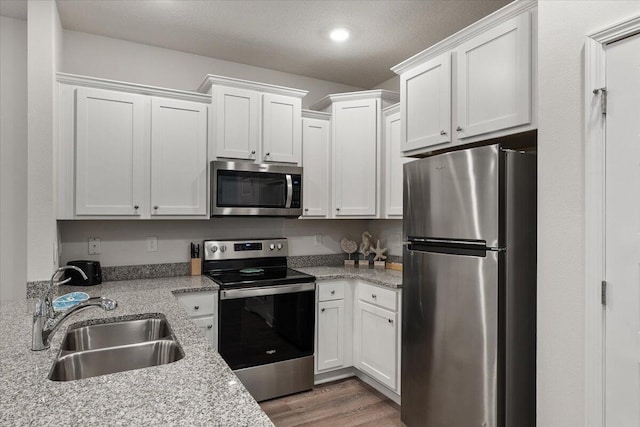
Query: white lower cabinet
x,y
358,332
375,332
202,307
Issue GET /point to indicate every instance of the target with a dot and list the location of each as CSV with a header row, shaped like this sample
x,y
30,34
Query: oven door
x,y
263,325
248,189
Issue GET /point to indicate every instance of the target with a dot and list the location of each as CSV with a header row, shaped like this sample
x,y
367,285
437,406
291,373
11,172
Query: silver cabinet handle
x,y
459,129
306,209
390,320
135,207
333,292
196,307
209,326
322,310
253,151
374,296
155,207
443,132
267,154
338,209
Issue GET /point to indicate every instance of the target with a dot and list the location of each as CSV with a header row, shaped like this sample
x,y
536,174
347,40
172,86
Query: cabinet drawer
x,y
330,291
379,296
198,303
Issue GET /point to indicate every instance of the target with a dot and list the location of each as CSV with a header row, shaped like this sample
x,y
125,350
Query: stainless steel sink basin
x,y
109,360
115,334
107,348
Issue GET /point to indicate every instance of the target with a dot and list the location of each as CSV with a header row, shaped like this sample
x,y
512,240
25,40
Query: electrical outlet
x,y
317,239
152,244
94,246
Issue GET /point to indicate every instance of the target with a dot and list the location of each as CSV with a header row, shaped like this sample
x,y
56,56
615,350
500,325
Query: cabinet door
x,y
281,128
110,144
494,79
208,326
393,166
330,347
178,157
425,94
315,161
375,343
236,124
355,131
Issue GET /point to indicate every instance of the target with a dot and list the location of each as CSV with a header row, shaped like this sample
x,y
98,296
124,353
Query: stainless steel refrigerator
x,y
469,289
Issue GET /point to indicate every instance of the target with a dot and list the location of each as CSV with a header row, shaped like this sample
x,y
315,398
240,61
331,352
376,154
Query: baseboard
x,y
378,386
336,375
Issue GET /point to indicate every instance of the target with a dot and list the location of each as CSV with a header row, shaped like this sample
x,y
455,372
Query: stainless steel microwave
x,y
248,189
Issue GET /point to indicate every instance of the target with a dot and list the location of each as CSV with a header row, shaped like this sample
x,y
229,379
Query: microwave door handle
x,y
287,204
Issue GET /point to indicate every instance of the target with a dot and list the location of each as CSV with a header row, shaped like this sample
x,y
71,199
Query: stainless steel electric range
x,y
266,315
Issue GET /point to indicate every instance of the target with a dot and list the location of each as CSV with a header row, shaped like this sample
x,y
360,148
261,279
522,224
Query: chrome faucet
x,y
46,321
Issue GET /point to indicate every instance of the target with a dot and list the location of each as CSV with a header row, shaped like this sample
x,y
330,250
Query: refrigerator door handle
x,y
480,244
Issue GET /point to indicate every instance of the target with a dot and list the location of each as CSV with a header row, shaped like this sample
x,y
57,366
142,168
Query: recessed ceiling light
x,y
339,34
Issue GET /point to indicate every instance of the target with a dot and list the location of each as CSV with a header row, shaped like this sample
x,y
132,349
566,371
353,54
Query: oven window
x,y
259,330
251,189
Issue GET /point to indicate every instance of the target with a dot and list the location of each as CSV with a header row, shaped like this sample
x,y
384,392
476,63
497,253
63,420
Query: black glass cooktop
x,y
252,277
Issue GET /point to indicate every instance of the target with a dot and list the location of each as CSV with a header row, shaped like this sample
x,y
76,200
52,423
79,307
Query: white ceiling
x,y
285,35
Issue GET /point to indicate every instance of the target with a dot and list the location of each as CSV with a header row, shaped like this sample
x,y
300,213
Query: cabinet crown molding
x,y
310,114
499,16
391,109
354,96
211,80
99,83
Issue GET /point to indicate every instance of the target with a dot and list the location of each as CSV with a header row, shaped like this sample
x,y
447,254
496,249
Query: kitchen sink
x,y
115,334
107,348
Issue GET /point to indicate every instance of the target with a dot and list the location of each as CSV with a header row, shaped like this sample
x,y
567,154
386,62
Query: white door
x,y
237,122
110,145
330,349
178,157
375,336
315,161
281,128
355,130
425,94
494,79
393,166
622,234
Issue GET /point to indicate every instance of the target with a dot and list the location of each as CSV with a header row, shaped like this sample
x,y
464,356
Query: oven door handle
x,y
287,203
265,291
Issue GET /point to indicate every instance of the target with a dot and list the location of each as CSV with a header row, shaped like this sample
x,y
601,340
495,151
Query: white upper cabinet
x,y
110,144
425,93
476,85
281,128
178,157
130,151
393,163
494,79
254,121
356,150
236,123
315,161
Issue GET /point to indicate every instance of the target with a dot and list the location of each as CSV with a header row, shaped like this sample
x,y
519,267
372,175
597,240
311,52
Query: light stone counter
x,y
388,278
198,390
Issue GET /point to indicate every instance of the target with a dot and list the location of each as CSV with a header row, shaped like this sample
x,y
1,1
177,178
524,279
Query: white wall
x,y
98,56
392,84
43,56
13,158
563,26
124,242
389,231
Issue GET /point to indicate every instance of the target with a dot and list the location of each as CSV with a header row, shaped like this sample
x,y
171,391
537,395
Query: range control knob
x,y
279,246
223,248
214,249
272,247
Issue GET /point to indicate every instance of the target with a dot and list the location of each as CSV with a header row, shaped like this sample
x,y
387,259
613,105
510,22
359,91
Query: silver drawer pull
x,y
196,307
374,296
333,292
209,326
322,310
390,320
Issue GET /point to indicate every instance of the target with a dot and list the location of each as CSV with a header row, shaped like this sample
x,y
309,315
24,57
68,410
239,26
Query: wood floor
x,y
344,403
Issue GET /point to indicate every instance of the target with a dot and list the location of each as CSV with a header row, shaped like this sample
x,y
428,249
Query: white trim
x,y
499,16
99,83
391,109
211,79
387,95
595,127
310,114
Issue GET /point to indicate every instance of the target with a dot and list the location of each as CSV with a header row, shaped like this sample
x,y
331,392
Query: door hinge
x,y
603,98
603,292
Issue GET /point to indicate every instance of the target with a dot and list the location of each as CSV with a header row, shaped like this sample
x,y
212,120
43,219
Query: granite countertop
x,y
198,390
388,278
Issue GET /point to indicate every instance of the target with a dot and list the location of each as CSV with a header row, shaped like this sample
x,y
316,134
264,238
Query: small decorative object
x,y
378,259
365,249
350,247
